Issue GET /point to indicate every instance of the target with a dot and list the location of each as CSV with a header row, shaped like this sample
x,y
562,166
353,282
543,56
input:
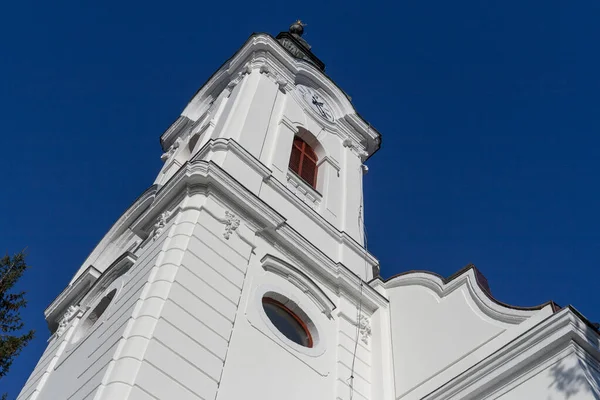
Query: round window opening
x,y
93,317
287,321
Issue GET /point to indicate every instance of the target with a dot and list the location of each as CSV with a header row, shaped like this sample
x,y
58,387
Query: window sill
x,y
303,190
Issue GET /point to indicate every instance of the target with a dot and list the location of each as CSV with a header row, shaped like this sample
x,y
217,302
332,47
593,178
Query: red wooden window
x,y
304,161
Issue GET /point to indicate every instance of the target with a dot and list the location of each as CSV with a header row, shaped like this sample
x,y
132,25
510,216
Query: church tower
x,y
241,272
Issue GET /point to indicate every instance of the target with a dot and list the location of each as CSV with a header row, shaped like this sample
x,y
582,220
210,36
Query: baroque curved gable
x,y
438,323
475,284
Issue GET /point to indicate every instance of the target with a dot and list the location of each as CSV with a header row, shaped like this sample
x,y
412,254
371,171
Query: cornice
x,y
205,176
465,278
87,282
221,144
175,130
118,268
340,236
124,221
279,187
70,295
301,281
335,275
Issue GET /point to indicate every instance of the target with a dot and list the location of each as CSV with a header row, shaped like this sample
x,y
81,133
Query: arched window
x,y
304,161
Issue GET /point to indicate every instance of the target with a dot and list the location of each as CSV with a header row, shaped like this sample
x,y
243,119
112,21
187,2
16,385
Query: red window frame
x,y
307,160
274,302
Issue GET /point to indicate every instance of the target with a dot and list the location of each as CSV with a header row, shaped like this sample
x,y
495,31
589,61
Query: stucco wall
x,y
430,333
70,370
190,341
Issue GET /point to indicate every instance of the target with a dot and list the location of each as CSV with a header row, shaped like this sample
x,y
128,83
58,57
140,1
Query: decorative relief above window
x,y
92,317
65,321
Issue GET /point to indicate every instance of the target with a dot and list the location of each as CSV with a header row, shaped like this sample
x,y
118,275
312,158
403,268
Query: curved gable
x,y
437,322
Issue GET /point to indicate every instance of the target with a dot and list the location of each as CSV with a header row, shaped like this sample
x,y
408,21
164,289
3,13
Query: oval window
x,y
287,322
94,316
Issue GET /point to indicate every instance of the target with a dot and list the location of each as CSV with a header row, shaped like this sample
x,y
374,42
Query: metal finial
x,y
297,28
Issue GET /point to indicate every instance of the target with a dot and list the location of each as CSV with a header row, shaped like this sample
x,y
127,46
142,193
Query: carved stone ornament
x,y
292,48
231,224
169,153
362,154
65,320
264,69
281,82
231,85
246,70
364,328
160,224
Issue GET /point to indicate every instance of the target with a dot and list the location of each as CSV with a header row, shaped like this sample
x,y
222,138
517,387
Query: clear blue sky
x,y
488,111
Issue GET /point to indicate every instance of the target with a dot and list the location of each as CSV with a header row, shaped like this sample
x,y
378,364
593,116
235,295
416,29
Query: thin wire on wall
x,y
361,226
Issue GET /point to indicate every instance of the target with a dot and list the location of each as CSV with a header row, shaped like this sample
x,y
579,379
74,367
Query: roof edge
x,y
482,284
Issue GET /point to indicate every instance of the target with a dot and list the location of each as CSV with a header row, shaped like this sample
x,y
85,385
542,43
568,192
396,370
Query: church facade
x,y
242,272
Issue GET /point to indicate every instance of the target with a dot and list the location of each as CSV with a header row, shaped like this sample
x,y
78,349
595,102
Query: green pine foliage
x,y
12,338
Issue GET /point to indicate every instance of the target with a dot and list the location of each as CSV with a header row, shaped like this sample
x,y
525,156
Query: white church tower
x,y
238,273
241,273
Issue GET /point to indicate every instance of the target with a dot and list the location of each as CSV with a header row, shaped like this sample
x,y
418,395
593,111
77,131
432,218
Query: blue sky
x,y
488,111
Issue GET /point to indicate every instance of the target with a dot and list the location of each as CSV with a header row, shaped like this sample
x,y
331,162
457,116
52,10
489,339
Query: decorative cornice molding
x,y
231,145
271,224
331,161
340,236
355,148
174,131
118,268
303,191
124,222
221,144
468,280
301,281
200,173
70,296
335,275
66,320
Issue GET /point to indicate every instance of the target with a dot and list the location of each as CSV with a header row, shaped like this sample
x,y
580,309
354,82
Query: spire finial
x,y
297,28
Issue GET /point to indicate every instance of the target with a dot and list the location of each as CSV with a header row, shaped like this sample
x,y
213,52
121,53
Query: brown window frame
x,y
279,304
305,154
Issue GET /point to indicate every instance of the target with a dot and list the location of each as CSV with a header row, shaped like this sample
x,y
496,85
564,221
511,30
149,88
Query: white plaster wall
x,y
77,369
42,369
262,364
190,342
430,333
352,351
